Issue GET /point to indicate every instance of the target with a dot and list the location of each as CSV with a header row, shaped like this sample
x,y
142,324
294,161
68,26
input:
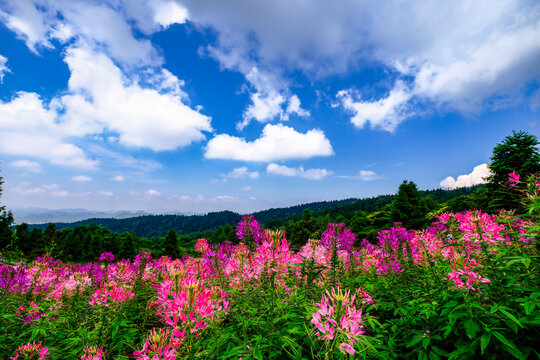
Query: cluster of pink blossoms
x,y
337,318
93,353
31,351
470,276
109,293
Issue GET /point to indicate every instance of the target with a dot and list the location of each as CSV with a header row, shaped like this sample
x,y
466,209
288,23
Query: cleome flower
x,y
338,320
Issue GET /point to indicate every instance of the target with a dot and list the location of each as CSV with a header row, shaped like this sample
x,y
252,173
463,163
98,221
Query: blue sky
x,y
244,105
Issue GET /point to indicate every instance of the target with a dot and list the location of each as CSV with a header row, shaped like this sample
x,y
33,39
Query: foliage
x,y
517,152
465,287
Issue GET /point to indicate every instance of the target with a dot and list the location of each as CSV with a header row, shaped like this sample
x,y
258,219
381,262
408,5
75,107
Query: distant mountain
x,y
32,215
149,226
157,225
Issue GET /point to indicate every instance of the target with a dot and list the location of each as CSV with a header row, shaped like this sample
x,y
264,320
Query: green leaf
x,y
484,341
504,340
433,356
529,307
511,317
415,341
439,351
425,342
471,327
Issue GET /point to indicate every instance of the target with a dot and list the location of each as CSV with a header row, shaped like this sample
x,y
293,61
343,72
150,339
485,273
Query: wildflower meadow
x,y
465,287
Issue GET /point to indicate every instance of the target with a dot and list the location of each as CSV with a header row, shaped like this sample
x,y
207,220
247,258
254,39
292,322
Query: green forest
x,y
175,235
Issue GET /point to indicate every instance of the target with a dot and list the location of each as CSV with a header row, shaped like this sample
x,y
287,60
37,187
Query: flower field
x,y
465,287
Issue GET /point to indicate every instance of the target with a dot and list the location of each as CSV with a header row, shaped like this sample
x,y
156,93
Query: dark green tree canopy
x,y
517,152
6,220
171,245
409,208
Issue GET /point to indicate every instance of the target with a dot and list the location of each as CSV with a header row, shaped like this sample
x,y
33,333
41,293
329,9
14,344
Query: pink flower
x,y
31,351
513,178
107,256
93,353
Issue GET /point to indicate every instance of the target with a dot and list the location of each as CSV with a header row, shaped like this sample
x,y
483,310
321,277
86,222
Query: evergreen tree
x,y
408,207
53,246
6,220
127,249
171,245
22,238
300,232
517,152
37,245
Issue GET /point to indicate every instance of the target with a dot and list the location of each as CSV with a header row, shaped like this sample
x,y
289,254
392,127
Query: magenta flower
x,y
249,231
93,353
107,256
337,233
337,318
513,178
31,351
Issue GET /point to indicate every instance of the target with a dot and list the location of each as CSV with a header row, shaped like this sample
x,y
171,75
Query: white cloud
x,y
62,193
168,13
224,198
26,165
476,177
313,174
102,99
106,193
152,193
264,108
118,178
240,173
246,188
3,67
277,142
385,113
105,25
294,107
190,198
457,55
367,175
28,128
26,188
81,178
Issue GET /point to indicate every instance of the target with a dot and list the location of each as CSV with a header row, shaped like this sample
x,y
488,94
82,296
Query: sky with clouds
x,y
195,106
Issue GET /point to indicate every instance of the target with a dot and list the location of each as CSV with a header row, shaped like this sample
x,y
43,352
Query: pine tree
x,y
6,220
171,245
517,152
408,207
22,238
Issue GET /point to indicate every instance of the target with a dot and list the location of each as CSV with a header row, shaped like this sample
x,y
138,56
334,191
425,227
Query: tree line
x,y
414,209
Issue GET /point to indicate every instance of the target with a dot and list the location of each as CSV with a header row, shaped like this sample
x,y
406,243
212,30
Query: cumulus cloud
x,y
270,99
81,178
104,24
367,175
476,177
457,55
26,188
240,173
385,113
152,193
277,142
3,67
28,128
106,193
168,13
313,174
26,165
118,178
224,198
102,99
